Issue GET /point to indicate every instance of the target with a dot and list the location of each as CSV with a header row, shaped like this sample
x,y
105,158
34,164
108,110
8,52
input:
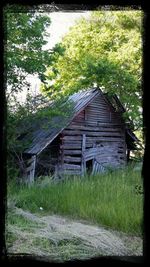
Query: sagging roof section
x,y
43,137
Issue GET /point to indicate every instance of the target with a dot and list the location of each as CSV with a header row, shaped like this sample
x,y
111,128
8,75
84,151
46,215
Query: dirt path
x,y
93,239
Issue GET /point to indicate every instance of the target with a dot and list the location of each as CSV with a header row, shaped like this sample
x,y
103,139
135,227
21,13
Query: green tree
x,y
103,50
25,35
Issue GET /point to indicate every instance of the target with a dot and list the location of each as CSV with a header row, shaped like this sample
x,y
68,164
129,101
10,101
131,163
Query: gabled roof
x,y
43,136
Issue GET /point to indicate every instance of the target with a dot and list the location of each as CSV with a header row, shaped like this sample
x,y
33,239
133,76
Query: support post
x,y
31,170
83,163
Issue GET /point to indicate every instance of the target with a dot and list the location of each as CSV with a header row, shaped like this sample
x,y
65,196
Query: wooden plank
x,y
106,152
107,134
71,167
89,145
71,138
97,111
106,138
109,139
83,164
72,159
80,105
97,119
80,116
32,171
95,152
100,128
105,158
74,143
70,146
111,164
90,153
98,134
72,132
79,121
72,152
106,145
92,113
72,172
97,104
97,167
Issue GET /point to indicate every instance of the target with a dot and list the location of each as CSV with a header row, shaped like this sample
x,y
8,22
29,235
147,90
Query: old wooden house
x,y
94,138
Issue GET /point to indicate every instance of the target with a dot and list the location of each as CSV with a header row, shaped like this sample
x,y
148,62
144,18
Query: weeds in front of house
x,y
109,199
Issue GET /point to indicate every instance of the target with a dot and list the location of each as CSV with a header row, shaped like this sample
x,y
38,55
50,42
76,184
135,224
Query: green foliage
x,y
108,199
25,35
103,50
34,114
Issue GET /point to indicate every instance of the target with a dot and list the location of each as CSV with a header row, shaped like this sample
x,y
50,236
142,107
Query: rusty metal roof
x,y
41,137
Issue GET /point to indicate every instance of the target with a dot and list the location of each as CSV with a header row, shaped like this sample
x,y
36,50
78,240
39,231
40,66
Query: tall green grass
x,y
110,199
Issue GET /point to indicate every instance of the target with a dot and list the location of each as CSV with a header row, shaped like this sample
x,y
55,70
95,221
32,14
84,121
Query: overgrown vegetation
x,y
114,199
35,113
103,50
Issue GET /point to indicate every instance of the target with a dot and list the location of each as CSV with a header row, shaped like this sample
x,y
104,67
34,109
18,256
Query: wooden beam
x,y
102,127
72,159
78,139
70,146
71,152
83,164
30,171
72,172
101,135
71,166
70,142
71,138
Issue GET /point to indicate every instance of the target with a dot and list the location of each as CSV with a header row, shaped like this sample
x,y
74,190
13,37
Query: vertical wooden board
x,y
33,172
83,164
30,171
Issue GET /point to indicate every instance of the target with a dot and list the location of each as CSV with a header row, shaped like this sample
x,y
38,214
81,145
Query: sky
x,y
60,24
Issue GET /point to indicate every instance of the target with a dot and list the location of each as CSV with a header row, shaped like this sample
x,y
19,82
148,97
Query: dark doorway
x,y
89,166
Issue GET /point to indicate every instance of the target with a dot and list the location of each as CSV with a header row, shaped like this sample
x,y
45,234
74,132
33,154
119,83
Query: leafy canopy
x,y
25,35
103,50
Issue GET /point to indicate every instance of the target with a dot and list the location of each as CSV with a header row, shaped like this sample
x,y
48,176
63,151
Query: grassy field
x,y
112,200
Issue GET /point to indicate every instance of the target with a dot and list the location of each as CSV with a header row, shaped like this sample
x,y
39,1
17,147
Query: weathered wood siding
x,y
80,118
99,111
102,129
